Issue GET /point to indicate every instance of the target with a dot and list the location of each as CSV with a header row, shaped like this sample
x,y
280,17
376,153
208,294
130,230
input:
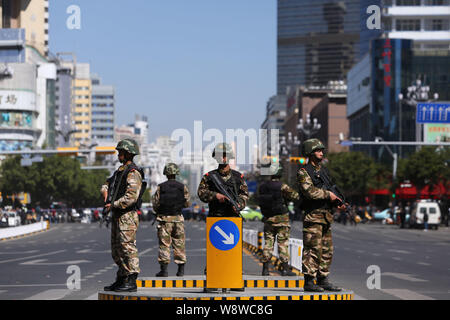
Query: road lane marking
x,y
405,294
424,264
399,251
52,294
42,262
31,257
403,276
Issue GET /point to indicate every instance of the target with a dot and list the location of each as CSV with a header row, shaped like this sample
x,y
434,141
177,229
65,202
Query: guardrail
x,y
255,239
16,232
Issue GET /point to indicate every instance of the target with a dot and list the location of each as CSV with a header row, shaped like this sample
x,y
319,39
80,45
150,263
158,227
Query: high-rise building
x,y
29,15
427,22
318,41
103,109
83,105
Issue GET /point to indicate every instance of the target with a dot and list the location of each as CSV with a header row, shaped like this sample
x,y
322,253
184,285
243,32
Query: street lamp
x,y
308,128
415,94
287,146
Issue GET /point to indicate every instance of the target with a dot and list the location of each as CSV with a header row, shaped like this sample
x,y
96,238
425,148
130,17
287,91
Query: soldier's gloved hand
x,y
108,207
334,197
221,197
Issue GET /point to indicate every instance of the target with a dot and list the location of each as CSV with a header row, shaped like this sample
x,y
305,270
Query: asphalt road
x,y
413,264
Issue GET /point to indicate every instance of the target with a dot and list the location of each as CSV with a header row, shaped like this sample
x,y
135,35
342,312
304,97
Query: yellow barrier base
x,y
250,294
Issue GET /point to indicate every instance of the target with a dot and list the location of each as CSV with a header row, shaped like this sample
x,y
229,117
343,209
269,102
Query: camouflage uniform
x,y
125,224
278,226
171,231
207,194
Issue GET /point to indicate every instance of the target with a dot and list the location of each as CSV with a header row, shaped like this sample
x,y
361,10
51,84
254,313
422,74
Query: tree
x,y
428,166
354,172
56,178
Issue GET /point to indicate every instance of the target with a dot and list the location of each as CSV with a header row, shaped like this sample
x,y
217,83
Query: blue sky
x,y
177,61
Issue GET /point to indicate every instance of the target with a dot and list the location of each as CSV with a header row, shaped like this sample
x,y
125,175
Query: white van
x,y
431,208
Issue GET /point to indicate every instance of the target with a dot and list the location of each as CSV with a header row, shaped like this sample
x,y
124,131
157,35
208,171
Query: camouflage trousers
x,y
317,249
171,234
123,242
277,233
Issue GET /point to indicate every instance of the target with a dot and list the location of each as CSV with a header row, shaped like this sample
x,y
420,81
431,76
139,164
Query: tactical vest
x,y
310,205
122,184
171,199
225,209
271,200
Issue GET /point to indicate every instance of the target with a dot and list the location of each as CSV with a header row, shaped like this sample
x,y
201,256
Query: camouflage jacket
x,y
311,192
133,187
177,218
205,193
282,220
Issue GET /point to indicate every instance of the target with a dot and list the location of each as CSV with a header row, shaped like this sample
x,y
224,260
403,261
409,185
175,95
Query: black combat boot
x,y
265,270
324,283
180,271
286,270
163,272
310,286
129,285
117,283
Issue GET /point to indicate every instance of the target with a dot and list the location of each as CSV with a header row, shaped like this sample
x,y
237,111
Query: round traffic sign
x,y
224,235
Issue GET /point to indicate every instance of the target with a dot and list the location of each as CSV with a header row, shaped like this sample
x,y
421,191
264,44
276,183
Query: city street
x,y
413,264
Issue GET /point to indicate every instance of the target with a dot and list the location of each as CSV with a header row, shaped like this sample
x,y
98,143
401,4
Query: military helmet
x,y
171,169
278,172
311,145
128,145
223,150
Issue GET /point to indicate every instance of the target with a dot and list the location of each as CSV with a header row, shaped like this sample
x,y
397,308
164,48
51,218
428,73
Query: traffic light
x,y
393,196
300,160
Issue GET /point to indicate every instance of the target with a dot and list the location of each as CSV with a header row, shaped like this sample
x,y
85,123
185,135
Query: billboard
x,y
436,132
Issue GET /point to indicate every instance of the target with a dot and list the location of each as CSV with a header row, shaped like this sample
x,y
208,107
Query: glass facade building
x,y
318,41
392,66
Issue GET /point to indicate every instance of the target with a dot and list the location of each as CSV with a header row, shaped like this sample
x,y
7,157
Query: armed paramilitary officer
x,y
232,180
169,199
317,203
273,197
127,184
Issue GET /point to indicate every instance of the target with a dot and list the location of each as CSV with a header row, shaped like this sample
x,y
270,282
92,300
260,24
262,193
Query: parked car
x,y
249,214
425,206
74,215
14,219
4,220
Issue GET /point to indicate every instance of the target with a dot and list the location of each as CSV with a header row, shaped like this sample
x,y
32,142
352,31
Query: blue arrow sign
x,y
433,113
224,235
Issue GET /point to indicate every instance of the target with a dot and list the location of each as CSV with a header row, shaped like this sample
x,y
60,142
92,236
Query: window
x,y
6,13
437,2
437,24
408,2
407,25
432,210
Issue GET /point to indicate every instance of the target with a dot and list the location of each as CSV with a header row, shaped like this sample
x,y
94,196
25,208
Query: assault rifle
x,y
335,189
231,195
112,193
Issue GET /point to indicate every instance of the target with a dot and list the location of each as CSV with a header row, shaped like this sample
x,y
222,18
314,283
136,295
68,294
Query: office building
x,y
32,16
103,109
318,41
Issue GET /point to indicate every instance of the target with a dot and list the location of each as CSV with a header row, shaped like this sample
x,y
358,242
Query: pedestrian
x,y
169,199
231,180
273,197
318,204
425,221
402,216
127,188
